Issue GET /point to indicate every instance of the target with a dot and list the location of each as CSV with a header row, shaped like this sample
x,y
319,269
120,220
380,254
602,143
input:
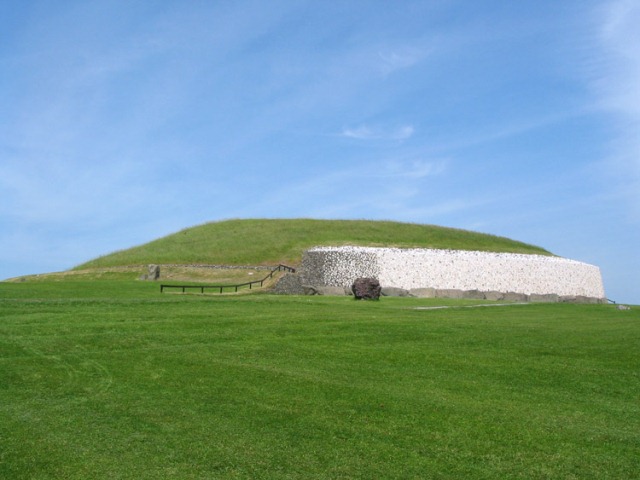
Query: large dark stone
x,y
366,289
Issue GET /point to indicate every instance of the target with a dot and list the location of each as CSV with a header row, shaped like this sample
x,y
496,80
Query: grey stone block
x,y
310,290
494,295
515,297
543,298
589,300
567,299
473,294
423,292
154,273
449,293
330,291
394,292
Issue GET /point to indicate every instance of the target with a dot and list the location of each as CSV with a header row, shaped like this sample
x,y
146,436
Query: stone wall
x,y
453,270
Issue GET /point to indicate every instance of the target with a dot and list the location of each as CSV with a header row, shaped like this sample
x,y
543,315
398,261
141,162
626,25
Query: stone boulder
x,y
366,288
154,273
310,290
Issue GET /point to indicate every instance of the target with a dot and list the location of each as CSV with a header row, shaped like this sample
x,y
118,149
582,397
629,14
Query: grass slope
x,y
269,242
111,379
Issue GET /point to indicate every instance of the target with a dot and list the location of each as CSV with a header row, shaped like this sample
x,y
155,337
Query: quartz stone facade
x,y
418,268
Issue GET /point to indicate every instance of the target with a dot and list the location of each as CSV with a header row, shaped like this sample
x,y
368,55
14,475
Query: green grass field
x,y
112,380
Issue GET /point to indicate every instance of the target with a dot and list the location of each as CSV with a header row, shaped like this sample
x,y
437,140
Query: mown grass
x,y
269,242
171,274
111,380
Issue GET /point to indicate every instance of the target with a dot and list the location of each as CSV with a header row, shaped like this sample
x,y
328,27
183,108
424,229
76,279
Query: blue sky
x,y
124,121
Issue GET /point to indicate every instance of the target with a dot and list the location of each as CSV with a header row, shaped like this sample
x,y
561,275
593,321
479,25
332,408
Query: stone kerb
x,y
453,270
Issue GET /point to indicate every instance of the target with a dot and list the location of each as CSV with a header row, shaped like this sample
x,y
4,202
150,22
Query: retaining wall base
x,y
292,284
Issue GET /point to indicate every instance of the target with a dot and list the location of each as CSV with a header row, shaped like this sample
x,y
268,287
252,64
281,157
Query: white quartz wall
x,y
452,269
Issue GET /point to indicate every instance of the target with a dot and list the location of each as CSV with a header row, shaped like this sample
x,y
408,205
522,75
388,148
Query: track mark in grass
x,y
66,372
438,307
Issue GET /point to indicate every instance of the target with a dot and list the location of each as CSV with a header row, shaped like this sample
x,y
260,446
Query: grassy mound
x,y
269,242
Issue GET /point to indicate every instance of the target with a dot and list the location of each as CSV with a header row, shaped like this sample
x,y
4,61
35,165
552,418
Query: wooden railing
x,y
235,288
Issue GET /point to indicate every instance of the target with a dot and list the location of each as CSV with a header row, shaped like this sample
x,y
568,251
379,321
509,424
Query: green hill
x,y
273,241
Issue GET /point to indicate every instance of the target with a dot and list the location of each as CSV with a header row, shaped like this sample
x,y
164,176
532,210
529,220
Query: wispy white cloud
x,y
620,37
368,132
381,188
392,59
617,85
412,169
